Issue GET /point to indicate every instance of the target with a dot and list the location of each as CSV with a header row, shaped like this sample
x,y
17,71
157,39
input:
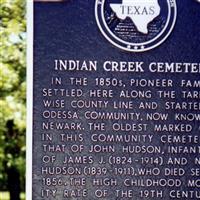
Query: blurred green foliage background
x,y
12,95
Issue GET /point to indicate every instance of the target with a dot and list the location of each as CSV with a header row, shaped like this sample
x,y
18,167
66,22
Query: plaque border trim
x,y
29,96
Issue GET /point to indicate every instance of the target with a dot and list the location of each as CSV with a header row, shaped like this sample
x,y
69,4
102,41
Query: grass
x,y
6,196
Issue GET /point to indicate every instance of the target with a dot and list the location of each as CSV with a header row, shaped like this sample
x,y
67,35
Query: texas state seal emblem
x,y
136,25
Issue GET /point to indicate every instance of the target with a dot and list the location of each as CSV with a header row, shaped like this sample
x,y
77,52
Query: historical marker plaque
x,y
116,100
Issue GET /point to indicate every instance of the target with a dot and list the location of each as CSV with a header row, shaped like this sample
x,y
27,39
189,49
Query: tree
x,y
12,93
